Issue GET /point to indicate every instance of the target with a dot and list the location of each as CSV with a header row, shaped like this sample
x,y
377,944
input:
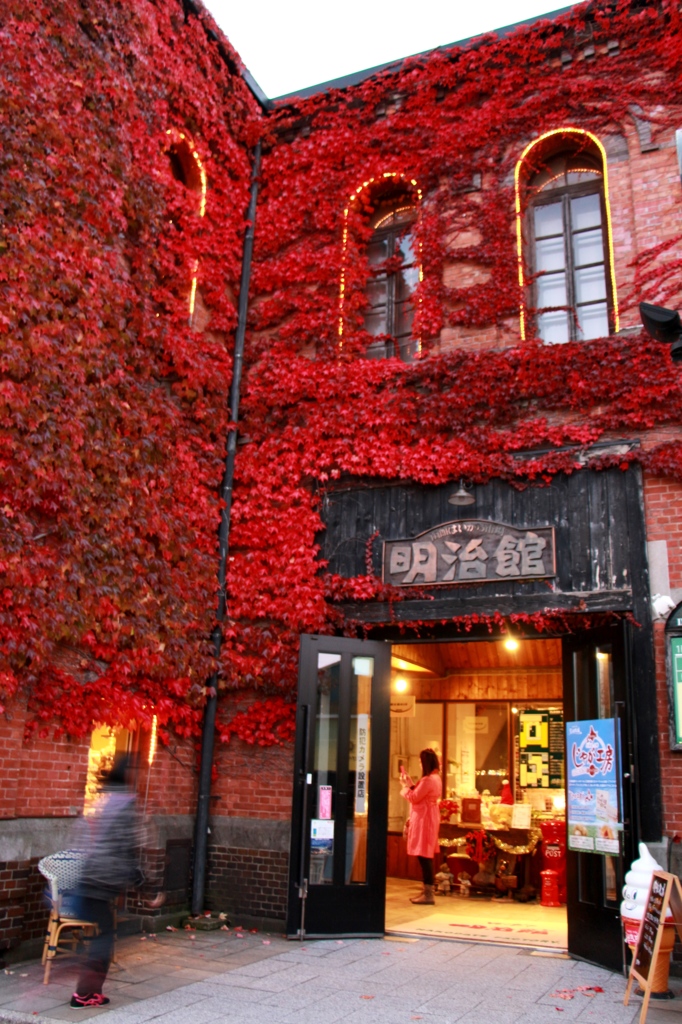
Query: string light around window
x,y
566,132
395,175
182,142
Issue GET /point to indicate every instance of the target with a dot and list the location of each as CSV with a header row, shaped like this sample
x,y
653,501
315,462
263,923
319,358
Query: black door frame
x,y
595,932
338,909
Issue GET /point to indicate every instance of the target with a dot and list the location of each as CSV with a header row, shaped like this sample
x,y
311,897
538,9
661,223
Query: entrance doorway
x,y
493,712
496,718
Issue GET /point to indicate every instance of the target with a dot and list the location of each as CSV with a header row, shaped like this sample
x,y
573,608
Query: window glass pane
x,y
548,220
406,248
407,348
604,659
567,169
376,292
406,282
553,327
590,285
359,756
322,827
379,350
551,290
404,315
377,251
477,748
593,322
408,737
578,177
585,212
549,254
588,247
375,322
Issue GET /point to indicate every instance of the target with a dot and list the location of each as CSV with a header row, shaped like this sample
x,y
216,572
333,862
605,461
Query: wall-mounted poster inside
x,y
593,778
534,749
541,749
556,751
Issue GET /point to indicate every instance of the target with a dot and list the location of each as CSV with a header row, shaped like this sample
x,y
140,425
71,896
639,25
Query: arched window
x,y
187,168
387,207
564,238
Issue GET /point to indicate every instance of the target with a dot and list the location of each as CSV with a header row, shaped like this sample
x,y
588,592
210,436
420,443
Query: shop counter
x,y
510,840
481,843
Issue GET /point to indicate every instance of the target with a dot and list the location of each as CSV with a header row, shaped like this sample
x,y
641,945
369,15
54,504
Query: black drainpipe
x,y
208,729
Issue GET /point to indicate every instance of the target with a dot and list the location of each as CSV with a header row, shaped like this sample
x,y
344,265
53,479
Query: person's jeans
x,y
94,967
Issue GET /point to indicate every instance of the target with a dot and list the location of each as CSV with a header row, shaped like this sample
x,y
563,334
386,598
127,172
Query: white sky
x,y
291,44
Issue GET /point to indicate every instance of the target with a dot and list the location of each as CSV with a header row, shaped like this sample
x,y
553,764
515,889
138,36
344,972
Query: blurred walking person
x,y
111,840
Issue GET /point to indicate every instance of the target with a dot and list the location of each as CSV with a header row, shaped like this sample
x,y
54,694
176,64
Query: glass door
x,y
596,687
338,841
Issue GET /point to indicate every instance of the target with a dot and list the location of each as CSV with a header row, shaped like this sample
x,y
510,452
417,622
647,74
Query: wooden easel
x,y
665,892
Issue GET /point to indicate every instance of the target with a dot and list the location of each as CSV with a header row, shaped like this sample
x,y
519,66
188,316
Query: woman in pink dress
x,y
422,834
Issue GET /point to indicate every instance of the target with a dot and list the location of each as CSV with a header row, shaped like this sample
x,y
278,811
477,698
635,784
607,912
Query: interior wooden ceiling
x,y
444,659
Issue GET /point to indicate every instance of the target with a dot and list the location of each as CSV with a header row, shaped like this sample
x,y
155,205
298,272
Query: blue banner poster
x,y
593,778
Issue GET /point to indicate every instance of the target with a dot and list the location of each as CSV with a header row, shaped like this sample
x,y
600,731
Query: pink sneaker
x,y
95,999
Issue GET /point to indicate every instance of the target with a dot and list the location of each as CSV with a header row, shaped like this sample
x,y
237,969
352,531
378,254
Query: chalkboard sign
x,y
651,922
665,892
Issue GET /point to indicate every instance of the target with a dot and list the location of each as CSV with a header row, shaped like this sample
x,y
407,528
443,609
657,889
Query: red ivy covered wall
x,y
314,412
112,408
112,414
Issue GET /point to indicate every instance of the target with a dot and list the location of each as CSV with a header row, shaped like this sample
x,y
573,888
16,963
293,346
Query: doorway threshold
x,y
475,920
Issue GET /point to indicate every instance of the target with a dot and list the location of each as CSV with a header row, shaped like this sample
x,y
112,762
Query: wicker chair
x,y
62,871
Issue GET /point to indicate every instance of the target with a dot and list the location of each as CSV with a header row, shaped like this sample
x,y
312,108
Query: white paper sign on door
x,y
361,760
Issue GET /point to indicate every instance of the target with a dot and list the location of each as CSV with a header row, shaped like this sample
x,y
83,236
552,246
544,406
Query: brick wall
x,y
11,743
173,777
662,500
644,193
656,194
251,883
23,912
41,777
253,782
138,901
52,778
248,782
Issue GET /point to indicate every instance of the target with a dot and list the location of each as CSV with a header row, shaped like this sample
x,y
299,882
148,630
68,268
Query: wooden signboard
x,y
665,892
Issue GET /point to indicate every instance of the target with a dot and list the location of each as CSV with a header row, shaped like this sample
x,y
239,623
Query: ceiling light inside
x,y
408,666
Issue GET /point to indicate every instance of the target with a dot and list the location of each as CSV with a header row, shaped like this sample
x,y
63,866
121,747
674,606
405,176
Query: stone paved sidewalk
x,y
255,978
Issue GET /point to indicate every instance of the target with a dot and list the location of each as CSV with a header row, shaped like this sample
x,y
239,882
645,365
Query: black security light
x,y
663,325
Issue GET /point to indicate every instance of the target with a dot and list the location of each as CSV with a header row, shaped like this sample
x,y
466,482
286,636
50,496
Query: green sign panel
x,y
676,668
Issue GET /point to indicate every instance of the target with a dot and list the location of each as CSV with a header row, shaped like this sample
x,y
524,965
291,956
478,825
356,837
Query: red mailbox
x,y
554,854
550,888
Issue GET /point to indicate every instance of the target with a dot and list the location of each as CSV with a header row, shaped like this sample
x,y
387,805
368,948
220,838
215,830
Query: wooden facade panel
x,y
597,517
517,686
